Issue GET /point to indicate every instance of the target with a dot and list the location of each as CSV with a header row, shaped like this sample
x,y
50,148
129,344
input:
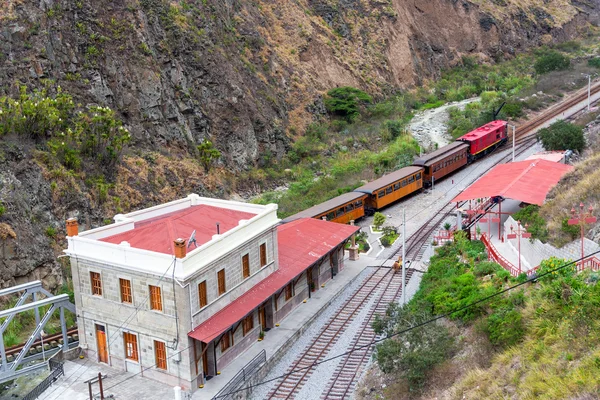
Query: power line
x,y
316,363
116,331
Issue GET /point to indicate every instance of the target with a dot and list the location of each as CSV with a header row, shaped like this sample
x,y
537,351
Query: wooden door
x,y
262,317
204,359
309,279
101,343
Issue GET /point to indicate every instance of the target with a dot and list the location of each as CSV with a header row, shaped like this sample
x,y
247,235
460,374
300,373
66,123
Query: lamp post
x,y
513,141
582,218
518,234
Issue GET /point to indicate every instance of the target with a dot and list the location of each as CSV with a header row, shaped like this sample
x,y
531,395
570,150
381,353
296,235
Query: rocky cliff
x,y
248,75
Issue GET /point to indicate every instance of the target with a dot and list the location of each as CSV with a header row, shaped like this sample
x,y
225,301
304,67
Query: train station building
x,y
177,291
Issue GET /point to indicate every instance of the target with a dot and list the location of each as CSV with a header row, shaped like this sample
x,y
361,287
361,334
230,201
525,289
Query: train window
x,y
388,190
397,186
349,207
403,183
330,215
497,136
381,194
339,212
411,179
419,176
358,204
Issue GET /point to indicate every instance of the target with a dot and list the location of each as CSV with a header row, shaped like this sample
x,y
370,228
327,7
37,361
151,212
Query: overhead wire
x,y
434,319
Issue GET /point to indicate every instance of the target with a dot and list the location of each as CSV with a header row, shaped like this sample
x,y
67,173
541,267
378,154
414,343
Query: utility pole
x,y
513,146
519,233
403,256
582,218
589,90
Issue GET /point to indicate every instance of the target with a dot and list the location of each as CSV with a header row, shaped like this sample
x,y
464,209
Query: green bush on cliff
x,y
69,133
346,101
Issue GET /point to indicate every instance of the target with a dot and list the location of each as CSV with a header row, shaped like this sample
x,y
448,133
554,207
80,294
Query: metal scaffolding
x,y
31,290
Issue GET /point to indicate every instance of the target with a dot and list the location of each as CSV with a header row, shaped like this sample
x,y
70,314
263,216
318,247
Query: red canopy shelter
x,y
527,181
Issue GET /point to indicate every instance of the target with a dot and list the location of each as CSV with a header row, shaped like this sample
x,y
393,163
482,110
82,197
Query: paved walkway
x,y
72,386
292,325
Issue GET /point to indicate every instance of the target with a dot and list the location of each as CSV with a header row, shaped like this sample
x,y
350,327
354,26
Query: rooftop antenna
x,y
192,239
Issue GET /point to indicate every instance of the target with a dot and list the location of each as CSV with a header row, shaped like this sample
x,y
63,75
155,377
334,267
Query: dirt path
x,y
430,126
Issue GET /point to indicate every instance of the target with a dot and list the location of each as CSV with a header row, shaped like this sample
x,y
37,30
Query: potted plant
x,y
261,335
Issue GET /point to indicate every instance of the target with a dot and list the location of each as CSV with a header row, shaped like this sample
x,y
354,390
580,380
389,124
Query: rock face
x,y
239,73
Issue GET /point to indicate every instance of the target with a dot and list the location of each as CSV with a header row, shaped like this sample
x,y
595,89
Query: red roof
x,y
301,244
483,130
526,181
555,156
157,234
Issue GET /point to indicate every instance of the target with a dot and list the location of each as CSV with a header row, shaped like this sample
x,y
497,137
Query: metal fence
x,y
56,370
241,377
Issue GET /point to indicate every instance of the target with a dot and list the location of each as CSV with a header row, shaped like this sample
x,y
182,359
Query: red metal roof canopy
x,y
301,243
526,181
157,234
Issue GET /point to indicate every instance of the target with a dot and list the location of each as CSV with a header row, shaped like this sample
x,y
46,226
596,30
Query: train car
x,y
343,209
485,139
443,161
392,187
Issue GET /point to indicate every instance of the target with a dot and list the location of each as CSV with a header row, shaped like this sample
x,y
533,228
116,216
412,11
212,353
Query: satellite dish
x,y
192,239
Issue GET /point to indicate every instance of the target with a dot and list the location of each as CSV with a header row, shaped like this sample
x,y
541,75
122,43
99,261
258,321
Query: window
x,y
358,204
419,176
96,283
130,344
263,254
225,342
160,355
246,266
403,183
411,179
388,190
349,207
330,215
381,194
339,212
248,324
155,298
221,279
125,285
203,298
396,185
289,289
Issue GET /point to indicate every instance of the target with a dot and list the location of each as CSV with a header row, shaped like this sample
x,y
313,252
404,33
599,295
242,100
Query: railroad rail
x,y
301,369
352,364
47,340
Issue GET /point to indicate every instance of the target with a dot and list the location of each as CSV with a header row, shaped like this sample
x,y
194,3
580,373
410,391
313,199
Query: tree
x,y
378,220
551,60
413,354
208,154
345,101
562,135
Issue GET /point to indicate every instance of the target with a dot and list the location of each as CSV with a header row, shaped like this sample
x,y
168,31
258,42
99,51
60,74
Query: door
x,y
204,359
262,317
309,279
101,343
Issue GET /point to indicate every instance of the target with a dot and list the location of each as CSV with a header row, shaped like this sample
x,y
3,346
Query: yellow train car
x,y
392,187
343,209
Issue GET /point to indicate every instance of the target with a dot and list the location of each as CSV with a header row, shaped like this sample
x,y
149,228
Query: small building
x,y
177,291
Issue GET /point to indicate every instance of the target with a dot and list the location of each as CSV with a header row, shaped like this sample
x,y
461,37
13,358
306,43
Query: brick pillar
x,y
180,249
72,227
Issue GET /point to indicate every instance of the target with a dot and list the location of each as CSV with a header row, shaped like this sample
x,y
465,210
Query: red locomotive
x,y
486,138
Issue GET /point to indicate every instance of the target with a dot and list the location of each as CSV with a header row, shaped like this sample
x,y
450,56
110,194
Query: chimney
x,y
180,249
72,227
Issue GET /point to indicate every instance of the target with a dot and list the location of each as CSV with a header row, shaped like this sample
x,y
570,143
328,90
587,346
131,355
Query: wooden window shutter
x,y
125,285
221,278
96,282
155,298
246,265
160,355
263,254
202,294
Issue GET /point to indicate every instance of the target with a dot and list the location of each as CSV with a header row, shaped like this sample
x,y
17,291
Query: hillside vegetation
x,y
537,341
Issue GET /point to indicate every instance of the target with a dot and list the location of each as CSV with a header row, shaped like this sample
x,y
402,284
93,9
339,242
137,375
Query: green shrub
x,y
207,154
385,241
536,224
378,220
562,135
551,60
505,327
2,209
486,268
574,231
346,101
51,232
594,62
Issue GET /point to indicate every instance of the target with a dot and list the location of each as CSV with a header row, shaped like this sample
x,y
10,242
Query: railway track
x,y
14,350
341,385
378,283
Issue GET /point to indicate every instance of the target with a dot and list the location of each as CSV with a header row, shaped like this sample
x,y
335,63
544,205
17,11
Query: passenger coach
x,y
443,161
392,187
342,209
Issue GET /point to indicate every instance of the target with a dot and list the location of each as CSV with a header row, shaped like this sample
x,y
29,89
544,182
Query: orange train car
x,y
392,187
343,209
443,161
